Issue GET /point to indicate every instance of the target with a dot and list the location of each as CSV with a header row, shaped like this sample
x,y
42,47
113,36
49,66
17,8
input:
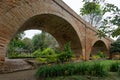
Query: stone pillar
x,y
83,54
2,55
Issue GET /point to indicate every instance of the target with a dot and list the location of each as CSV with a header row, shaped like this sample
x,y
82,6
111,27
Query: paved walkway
x,y
21,75
12,65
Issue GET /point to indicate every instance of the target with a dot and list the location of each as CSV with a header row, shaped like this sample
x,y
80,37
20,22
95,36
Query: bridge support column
x,y
83,54
87,53
2,56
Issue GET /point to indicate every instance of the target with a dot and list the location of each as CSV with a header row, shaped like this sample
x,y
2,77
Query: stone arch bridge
x,y
54,17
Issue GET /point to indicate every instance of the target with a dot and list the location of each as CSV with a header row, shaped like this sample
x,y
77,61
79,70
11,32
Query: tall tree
x,y
115,47
39,41
44,40
112,22
16,43
28,44
94,12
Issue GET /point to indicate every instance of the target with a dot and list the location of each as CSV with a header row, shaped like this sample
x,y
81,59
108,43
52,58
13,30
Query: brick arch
x,y
56,26
99,45
14,19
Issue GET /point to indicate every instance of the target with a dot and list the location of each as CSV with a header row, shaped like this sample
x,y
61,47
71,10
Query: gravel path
x,y
21,75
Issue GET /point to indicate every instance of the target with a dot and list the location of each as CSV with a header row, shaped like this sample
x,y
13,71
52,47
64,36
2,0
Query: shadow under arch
x,y
58,27
99,45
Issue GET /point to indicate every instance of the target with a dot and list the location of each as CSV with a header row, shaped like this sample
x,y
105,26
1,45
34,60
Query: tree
x,y
16,43
39,41
67,53
115,47
28,44
44,40
51,41
94,11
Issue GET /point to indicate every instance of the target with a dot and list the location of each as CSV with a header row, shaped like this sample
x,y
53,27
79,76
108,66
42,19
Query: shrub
x,y
42,60
17,55
101,54
119,70
12,55
47,55
114,66
47,52
67,54
94,69
97,69
96,57
55,70
37,53
82,68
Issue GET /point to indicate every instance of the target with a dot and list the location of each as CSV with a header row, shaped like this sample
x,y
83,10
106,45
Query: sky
x,y
75,5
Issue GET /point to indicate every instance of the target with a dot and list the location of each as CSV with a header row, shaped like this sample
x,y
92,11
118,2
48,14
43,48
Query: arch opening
x,y
29,41
99,46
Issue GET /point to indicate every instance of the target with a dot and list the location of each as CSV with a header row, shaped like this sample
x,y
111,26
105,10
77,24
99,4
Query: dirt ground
x,y
21,75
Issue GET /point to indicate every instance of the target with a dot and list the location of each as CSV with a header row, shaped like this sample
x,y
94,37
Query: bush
x,y
67,54
96,57
82,68
95,69
47,55
12,55
37,53
55,70
17,55
47,52
114,66
42,60
101,54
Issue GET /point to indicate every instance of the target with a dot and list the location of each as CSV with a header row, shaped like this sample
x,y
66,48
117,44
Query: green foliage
x,y
98,69
44,40
46,56
101,54
112,20
93,11
115,47
67,53
17,55
42,60
114,66
16,43
94,69
28,44
20,45
37,53
48,51
90,8
38,41
49,54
